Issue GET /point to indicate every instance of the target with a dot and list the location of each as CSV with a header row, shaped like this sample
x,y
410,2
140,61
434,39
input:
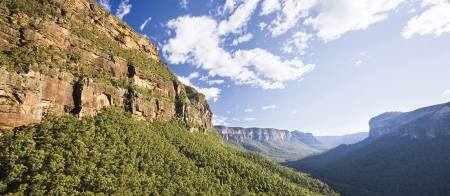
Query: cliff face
x,y
59,57
267,134
421,123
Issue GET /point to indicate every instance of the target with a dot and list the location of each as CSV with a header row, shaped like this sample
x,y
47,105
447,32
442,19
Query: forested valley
x,y
385,165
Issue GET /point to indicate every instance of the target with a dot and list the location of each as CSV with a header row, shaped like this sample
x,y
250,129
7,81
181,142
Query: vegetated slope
x,y
113,154
384,166
278,145
278,151
405,154
343,139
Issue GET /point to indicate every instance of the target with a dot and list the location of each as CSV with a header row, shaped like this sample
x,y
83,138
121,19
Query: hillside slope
x,y
113,154
383,166
405,154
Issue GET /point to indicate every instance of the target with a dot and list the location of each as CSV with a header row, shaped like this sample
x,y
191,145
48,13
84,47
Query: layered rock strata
x,y
80,59
421,123
266,134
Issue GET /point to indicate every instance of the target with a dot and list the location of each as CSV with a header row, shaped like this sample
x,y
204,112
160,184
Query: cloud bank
x,y
199,42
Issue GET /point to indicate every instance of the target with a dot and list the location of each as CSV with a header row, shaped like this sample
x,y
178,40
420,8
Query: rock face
x,y
266,134
421,123
59,57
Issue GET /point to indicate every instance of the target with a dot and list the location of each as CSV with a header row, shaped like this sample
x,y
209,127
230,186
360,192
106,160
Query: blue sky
x,y
319,66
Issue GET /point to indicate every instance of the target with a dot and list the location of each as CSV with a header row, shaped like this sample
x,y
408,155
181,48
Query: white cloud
x,y
358,62
229,6
269,6
291,13
105,4
269,107
210,93
238,19
244,38
228,112
447,92
294,112
299,40
262,25
219,120
431,2
204,78
124,9
435,20
194,75
340,16
249,119
184,3
212,82
145,23
249,110
199,42
235,119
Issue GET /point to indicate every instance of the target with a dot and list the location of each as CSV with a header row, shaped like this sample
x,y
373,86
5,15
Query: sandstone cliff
x,y
421,123
268,134
72,56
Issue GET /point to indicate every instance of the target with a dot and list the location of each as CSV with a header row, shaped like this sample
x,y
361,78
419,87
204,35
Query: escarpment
x,y
426,122
240,134
73,57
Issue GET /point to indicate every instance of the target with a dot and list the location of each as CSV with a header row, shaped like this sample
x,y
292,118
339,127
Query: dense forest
x,y
384,166
112,154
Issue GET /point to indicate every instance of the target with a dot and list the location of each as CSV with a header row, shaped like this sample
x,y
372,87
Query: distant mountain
x,y
421,123
343,139
405,154
279,145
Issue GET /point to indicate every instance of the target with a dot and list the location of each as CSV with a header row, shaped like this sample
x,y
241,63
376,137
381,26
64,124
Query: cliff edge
x,y
73,57
424,122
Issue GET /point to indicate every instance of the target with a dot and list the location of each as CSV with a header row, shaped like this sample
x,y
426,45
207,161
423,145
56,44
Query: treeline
x,y
112,154
384,166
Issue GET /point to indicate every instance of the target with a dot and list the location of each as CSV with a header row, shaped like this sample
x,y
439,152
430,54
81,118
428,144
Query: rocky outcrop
x,y
421,123
73,56
267,134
